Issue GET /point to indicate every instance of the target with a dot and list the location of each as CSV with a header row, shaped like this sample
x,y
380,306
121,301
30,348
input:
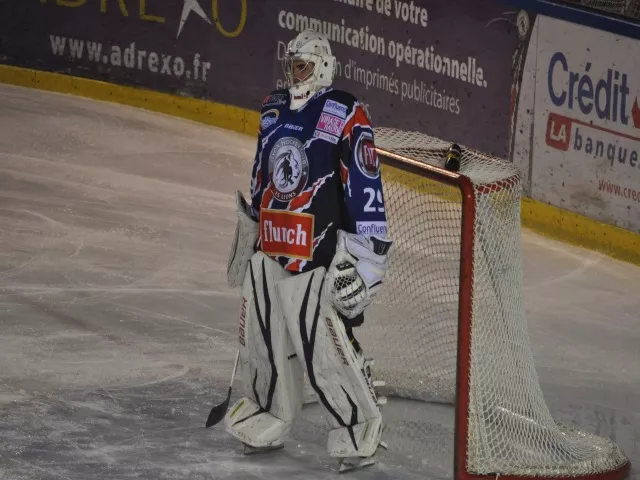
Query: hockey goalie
x,y
309,255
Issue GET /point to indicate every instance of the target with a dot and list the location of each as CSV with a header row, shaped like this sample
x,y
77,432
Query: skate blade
x,y
352,465
249,450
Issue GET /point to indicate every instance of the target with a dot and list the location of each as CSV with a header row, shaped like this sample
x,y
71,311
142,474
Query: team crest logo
x,y
367,156
288,168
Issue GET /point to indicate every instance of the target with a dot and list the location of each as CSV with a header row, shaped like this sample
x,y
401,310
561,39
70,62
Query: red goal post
x,y
449,326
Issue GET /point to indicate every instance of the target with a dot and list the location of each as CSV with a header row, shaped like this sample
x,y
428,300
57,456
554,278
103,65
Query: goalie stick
x,y
217,413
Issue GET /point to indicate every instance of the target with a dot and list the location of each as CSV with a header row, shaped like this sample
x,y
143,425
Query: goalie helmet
x,y
308,66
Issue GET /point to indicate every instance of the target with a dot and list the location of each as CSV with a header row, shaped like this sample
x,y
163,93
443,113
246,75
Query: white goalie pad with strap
x,y
333,366
244,240
356,272
271,375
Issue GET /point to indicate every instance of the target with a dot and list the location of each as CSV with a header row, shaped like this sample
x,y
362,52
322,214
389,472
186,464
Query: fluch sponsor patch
x,y
286,233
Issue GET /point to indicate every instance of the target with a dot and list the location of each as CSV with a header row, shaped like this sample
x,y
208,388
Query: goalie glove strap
x,y
371,257
381,246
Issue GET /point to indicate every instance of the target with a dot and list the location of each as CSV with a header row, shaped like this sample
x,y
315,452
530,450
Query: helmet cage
x,y
289,63
307,47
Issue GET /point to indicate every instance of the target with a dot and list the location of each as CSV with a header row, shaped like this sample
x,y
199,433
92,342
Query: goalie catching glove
x,y
244,240
356,272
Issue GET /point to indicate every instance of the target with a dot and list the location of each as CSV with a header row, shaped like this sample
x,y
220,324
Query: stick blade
x,y
218,412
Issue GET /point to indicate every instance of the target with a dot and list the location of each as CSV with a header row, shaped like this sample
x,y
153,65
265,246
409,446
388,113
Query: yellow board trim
x,y
582,231
545,219
203,111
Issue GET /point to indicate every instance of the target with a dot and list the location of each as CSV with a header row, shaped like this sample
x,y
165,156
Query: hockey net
x,y
449,326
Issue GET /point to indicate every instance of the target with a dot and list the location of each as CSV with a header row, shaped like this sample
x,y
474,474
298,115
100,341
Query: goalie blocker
x,y
244,241
289,326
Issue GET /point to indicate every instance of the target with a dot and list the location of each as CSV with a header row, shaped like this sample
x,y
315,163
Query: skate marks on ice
x,y
149,433
119,332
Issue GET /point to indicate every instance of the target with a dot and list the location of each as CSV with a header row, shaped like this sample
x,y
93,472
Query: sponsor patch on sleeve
x,y
274,99
268,118
330,124
335,108
378,229
367,156
325,136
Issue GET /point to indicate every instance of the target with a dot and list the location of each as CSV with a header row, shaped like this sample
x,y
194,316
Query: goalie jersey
x,y
316,170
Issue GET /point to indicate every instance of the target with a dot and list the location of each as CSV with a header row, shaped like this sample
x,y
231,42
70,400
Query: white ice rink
x,y
117,329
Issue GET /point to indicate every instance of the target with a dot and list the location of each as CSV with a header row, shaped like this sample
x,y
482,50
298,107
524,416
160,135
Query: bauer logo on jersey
x,y
335,108
288,168
286,233
367,156
268,118
330,124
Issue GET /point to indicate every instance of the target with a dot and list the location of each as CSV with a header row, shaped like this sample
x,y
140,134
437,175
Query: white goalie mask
x,y
308,66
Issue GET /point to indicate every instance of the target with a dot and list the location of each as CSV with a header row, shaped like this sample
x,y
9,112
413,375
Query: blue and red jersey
x,y
316,170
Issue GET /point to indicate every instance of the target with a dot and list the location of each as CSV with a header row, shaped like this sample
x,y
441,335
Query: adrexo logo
x,y
151,11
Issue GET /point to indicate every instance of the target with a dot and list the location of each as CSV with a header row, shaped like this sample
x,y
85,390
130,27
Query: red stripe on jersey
x,y
344,174
358,117
303,200
294,266
267,197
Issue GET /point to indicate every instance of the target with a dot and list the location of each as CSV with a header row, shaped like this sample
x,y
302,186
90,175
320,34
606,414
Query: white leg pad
x,y
332,364
252,426
271,375
367,434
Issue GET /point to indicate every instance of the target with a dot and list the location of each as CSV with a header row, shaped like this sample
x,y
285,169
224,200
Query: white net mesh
x,y
411,330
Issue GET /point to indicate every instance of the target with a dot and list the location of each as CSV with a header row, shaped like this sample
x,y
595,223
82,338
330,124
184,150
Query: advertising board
x,y
443,68
586,145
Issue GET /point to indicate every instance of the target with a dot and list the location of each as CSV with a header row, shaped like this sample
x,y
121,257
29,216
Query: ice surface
x,y
118,330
